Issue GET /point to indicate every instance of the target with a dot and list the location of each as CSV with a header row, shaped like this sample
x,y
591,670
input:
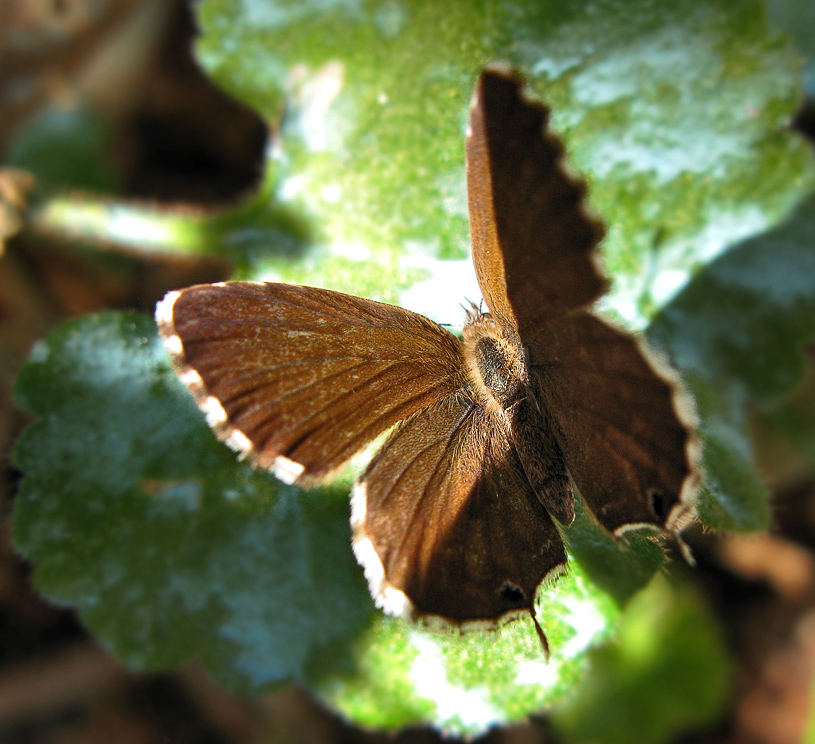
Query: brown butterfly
x,y
453,517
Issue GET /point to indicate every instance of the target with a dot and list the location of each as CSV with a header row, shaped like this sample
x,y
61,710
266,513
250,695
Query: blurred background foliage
x,y
149,145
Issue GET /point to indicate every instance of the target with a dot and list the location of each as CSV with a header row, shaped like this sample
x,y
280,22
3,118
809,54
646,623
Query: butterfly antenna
x,y
473,311
541,634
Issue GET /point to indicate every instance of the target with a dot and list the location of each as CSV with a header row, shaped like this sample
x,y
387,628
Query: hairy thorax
x,y
495,363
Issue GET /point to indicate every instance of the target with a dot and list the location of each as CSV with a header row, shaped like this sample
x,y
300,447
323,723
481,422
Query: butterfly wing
x,y
446,523
533,244
622,420
300,379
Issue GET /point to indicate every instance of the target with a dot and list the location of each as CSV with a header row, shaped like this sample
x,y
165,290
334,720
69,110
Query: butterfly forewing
x,y
452,521
301,379
533,243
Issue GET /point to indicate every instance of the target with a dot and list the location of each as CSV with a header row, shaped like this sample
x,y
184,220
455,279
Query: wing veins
x,y
627,436
371,425
435,471
293,391
589,370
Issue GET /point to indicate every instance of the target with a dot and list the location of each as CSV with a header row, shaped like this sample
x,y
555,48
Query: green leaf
x,y
620,567
736,333
463,685
797,18
675,112
132,511
66,147
170,548
666,673
785,434
244,234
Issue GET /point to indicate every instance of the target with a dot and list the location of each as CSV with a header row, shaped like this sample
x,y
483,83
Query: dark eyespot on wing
x,y
513,594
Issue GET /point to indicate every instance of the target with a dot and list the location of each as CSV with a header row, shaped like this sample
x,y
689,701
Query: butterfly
x,y
454,518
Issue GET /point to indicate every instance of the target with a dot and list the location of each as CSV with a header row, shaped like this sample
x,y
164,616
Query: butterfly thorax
x,y
495,362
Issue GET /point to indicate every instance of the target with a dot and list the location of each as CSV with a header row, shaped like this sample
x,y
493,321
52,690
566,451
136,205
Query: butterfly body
x,y
454,518
498,372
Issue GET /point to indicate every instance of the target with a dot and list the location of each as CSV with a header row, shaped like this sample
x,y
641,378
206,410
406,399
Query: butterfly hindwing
x,y
445,517
622,421
284,372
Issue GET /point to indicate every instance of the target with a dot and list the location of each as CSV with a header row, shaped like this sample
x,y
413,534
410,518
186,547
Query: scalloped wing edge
x,y
285,469
683,513
395,602
505,69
